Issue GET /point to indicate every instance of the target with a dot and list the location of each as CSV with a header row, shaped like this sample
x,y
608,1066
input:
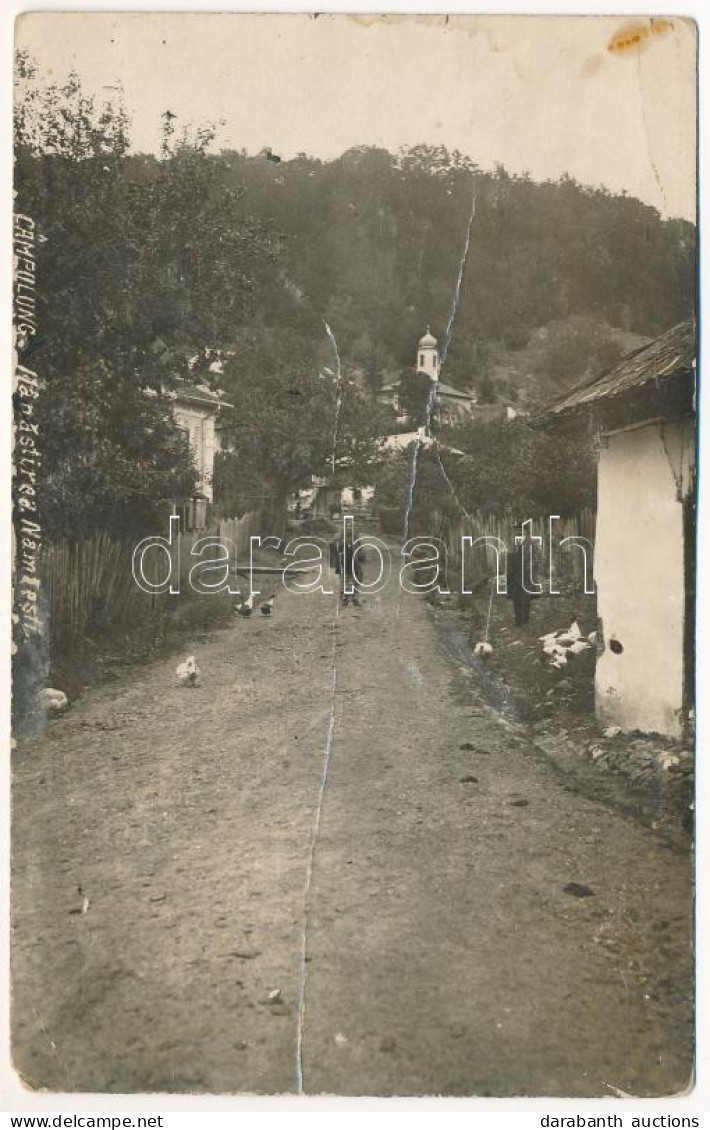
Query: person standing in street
x,y
520,582
350,567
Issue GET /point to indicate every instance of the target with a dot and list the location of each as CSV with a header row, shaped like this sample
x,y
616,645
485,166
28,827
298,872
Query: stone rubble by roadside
x,y
656,774
649,776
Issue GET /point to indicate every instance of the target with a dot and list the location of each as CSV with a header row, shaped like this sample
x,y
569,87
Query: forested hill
x,y
373,242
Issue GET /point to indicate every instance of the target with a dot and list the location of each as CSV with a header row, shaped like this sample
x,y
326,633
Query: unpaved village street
x,y
443,953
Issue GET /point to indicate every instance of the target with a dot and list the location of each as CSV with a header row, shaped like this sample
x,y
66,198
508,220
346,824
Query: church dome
x,y
428,341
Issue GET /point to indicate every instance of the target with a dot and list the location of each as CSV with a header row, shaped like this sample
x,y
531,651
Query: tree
x,y
486,389
294,418
126,257
416,397
512,467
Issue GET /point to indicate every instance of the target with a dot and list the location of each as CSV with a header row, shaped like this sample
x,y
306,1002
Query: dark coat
x,y
517,567
348,564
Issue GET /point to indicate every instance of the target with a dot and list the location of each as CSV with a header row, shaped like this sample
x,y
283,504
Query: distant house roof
x,y
198,394
453,393
657,377
442,389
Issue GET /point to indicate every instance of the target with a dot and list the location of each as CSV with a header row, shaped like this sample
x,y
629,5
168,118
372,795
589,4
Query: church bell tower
x,y
428,356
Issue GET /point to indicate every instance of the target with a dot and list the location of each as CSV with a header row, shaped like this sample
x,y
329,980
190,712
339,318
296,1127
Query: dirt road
x,y
443,953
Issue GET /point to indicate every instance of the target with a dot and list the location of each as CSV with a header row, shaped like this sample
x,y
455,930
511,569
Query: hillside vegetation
x,y
372,244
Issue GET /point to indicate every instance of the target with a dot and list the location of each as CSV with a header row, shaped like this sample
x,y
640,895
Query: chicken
x,y
668,761
558,655
577,646
268,605
54,701
84,903
245,607
187,672
548,640
570,636
559,647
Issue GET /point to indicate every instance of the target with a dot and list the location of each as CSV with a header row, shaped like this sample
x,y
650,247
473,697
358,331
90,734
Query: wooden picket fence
x,y
239,531
91,581
502,529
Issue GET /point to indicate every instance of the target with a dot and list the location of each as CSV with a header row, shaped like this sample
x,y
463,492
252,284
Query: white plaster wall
x,y
208,450
638,568
428,362
200,424
347,496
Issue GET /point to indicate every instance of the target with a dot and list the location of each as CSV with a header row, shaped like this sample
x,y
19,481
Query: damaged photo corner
x,y
354,382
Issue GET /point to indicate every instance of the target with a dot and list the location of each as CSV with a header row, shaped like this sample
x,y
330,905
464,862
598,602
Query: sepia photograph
x,y
354,382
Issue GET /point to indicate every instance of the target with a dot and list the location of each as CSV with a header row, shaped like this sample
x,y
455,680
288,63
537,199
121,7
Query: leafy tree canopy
x,y
125,260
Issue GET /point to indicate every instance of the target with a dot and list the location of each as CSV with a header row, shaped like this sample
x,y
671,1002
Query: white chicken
x,y
570,636
245,607
53,700
187,672
577,646
668,761
560,647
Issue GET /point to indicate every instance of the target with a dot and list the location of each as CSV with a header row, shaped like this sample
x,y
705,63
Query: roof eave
x,y
668,398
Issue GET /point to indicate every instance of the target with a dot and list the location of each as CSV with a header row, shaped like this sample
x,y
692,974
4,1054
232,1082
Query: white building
x,y
643,412
196,410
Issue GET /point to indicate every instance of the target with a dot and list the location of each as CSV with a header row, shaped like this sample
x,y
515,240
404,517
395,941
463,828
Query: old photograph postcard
x,y
354,527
